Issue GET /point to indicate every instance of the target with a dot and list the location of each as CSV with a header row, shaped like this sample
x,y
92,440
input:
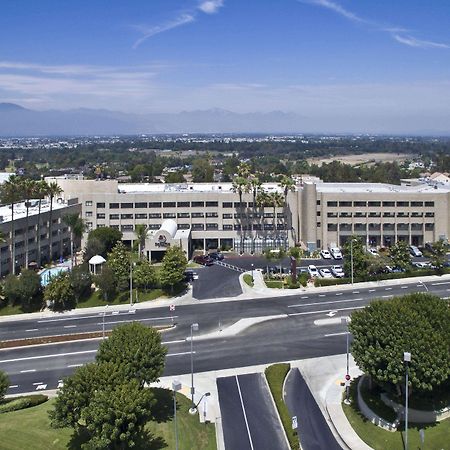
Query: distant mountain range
x,y
18,121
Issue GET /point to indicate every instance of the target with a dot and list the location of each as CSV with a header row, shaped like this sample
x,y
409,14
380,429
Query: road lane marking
x,y
140,320
321,295
79,318
39,382
74,365
31,330
41,387
245,415
404,287
27,371
322,311
13,386
441,283
386,296
46,356
355,292
337,334
179,341
180,354
325,303
372,290
305,296
70,326
339,293
388,289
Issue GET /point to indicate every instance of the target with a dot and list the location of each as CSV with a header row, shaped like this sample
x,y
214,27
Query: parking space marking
x,y
243,410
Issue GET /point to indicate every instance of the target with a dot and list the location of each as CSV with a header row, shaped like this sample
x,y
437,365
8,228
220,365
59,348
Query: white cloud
x,y
210,6
397,33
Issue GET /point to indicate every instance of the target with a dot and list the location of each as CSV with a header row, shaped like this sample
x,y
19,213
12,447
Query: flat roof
x,y
360,188
20,210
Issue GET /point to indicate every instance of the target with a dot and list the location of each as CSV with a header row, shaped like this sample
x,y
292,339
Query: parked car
x,y
204,260
336,252
325,273
422,264
189,275
217,256
414,251
429,247
312,270
390,269
325,254
337,271
373,251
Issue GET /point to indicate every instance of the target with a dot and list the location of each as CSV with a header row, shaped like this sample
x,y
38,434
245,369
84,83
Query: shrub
x,y
16,403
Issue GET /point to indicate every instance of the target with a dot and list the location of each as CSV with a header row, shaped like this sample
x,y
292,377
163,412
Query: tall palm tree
x,y
77,228
288,185
10,194
52,191
262,200
40,193
28,189
255,185
240,185
2,241
140,230
276,200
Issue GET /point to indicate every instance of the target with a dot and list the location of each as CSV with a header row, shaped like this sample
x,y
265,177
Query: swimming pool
x,y
47,274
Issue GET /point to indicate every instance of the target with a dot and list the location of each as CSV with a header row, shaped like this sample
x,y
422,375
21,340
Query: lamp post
x,y
193,409
176,386
131,283
344,320
104,314
406,359
206,394
351,259
253,281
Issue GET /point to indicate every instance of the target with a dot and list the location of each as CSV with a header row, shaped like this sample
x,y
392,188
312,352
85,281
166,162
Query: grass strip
x,y
248,279
275,375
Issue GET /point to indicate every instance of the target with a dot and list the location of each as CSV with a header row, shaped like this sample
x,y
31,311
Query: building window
x,y
429,204
227,216
332,214
402,214
417,214
126,216
211,204
374,204
212,214
360,214
169,204
140,216
318,224
227,204
154,216
360,204
268,215
416,226
345,214
237,226
345,204
113,206
101,215
388,204
197,204
183,204
318,202
127,227
88,214
88,203
317,214
212,226
114,216
183,215
101,205
257,226
429,214
239,205
332,227
429,226
115,226
402,204
140,205
197,226
88,226
184,226
360,227
417,204
154,226
388,214
154,205
388,226
332,204
169,216
197,215
374,214
268,226
227,227
126,205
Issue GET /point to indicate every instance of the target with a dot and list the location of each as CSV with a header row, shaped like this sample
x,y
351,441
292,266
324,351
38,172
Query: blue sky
x,y
319,58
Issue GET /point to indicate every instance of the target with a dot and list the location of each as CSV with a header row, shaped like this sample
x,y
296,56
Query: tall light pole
x,y
193,409
131,282
104,314
344,320
176,386
351,259
253,281
406,359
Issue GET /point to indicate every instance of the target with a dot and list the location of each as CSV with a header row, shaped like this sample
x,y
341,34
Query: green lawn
x,y
436,435
274,284
30,429
248,279
9,309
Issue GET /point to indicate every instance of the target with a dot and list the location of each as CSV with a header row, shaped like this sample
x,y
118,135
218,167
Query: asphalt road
x,y
216,282
313,430
308,325
249,419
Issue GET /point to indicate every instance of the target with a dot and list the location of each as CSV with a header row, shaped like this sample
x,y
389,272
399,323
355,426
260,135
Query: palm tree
x,y
28,190
40,193
287,184
2,241
77,228
240,185
10,193
276,200
255,185
140,231
52,191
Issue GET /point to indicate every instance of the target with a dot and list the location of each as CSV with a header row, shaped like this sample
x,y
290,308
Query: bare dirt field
x,y
364,158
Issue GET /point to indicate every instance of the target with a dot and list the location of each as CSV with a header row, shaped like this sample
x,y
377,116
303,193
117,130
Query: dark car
x,y
216,256
188,275
204,260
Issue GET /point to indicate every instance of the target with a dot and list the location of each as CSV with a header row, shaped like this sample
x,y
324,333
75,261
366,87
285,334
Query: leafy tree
x,y
144,275
354,246
53,190
59,293
399,254
119,263
81,281
202,170
107,282
173,266
23,290
137,349
105,239
77,228
416,323
4,384
175,177
140,230
438,256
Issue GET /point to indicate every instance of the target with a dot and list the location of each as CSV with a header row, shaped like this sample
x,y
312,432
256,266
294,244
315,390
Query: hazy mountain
x,y
18,121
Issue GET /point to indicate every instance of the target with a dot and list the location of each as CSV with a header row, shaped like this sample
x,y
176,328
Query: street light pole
x,y
176,386
406,359
344,320
193,409
131,283
104,314
351,258
252,275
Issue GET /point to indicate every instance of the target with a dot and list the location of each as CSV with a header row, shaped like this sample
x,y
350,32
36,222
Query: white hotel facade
x,y
315,215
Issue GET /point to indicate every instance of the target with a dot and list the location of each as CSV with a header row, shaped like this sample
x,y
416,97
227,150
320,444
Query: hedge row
x,y
16,403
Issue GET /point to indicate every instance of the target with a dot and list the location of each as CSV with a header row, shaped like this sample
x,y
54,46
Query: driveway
x,y
216,282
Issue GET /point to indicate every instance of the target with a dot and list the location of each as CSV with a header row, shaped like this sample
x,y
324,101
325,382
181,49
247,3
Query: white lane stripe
x,y
139,320
245,415
372,290
32,329
180,354
179,341
305,296
388,289
38,383
339,293
323,311
85,317
404,287
47,356
355,292
337,334
75,365
26,371
326,303
441,283
386,296
13,386
321,295
70,326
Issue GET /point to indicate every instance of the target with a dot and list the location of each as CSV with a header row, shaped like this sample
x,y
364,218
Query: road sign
x,y
172,308
347,377
294,423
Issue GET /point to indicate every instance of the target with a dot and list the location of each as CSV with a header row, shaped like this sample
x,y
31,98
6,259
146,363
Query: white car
x,y
414,251
373,251
312,270
336,252
422,264
337,271
325,254
325,273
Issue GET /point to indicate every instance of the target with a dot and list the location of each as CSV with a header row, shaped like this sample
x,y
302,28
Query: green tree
x,y
137,349
119,262
173,266
4,384
81,281
59,293
53,190
2,241
144,275
360,258
439,255
140,230
399,254
39,193
107,283
174,177
101,241
77,227
202,170
416,323
24,290
28,188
